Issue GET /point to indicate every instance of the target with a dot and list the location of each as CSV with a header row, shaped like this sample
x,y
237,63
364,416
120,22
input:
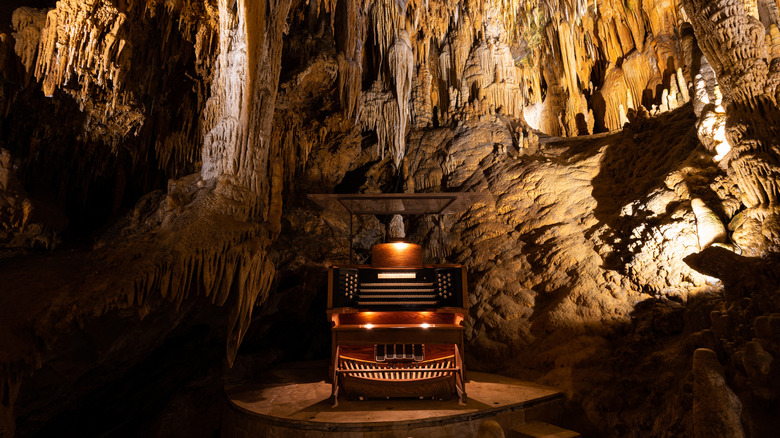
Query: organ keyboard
x,y
440,286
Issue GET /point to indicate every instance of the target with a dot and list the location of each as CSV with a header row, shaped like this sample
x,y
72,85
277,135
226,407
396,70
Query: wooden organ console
x,y
397,324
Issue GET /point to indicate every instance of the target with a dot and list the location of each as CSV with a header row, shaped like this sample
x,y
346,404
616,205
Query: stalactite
x,y
606,34
568,50
490,75
28,23
232,268
387,18
611,45
211,233
614,94
221,126
548,113
444,66
401,63
579,38
380,114
460,43
349,33
422,105
641,76
74,24
89,51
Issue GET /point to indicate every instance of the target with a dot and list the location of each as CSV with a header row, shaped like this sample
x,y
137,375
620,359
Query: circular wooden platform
x,y
294,401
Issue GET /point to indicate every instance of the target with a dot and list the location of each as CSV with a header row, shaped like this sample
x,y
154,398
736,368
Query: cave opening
x,y
353,180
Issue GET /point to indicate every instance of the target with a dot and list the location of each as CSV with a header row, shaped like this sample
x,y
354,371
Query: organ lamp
x,y
396,254
397,323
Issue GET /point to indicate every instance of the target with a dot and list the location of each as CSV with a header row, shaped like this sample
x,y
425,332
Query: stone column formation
x,y
733,40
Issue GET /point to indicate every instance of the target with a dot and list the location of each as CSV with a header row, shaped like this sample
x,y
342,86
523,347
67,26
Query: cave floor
x,y
296,399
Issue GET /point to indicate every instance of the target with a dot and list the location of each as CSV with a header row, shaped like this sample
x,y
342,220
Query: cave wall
x,y
170,146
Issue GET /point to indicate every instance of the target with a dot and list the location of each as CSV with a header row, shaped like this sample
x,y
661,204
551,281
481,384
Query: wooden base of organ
x,y
357,369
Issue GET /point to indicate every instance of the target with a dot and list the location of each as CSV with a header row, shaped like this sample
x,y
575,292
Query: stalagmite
x,y
674,101
682,86
716,408
664,106
623,119
709,227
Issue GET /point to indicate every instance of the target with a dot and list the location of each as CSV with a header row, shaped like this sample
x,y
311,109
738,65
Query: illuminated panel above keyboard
x,y
395,275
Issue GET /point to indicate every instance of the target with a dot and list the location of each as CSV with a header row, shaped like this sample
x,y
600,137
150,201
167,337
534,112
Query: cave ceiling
x,y
154,154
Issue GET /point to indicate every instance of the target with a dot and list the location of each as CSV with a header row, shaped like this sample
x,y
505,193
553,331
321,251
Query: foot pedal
x,y
379,352
418,352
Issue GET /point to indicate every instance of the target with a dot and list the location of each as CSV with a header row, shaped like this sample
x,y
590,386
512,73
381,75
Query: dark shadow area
x,y
354,179
310,34
582,124
7,8
397,405
753,275
599,111
292,324
88,182
117,375
634,164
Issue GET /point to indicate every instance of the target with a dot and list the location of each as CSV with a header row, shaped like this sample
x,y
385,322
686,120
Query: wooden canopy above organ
x,y
397,324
